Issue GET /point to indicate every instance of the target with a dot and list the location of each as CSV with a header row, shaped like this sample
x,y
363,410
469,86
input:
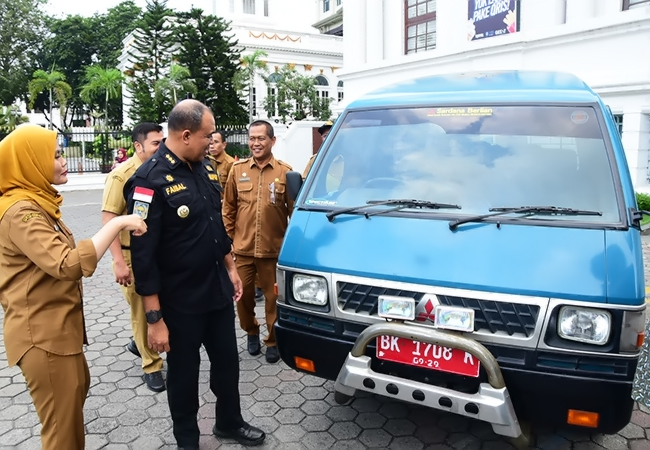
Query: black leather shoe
x,y
133,348
245,435
253,344
187,448
155,381
272,354
259,295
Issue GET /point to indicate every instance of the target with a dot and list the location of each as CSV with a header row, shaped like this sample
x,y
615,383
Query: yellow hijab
x,y
27,169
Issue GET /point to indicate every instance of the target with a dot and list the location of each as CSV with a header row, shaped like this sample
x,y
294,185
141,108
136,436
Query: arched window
x,y
340,90
324,91
321,81
273,78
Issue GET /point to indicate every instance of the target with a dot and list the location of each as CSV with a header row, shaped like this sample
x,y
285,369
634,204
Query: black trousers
x,y
216,331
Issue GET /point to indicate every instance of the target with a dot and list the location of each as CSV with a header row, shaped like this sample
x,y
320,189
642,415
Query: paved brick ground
x,y
296,410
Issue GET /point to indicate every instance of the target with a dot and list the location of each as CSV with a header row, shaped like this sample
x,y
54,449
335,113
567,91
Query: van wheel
x,y
340,398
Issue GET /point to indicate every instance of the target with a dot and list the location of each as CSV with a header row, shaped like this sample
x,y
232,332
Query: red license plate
x,y
419,354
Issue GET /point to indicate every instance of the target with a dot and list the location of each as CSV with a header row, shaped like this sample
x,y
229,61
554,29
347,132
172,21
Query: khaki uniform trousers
x,y
151,360
248,267
58,386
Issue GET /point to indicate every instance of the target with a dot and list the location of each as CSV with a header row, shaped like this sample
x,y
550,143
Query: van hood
x,y
545,261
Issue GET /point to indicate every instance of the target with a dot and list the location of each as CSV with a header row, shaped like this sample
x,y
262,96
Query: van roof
x,y
475,88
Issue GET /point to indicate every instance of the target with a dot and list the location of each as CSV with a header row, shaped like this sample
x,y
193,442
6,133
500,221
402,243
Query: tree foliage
x,y
104,84
212,59
177,82
21,30
151,55
53,83
251,65
296,97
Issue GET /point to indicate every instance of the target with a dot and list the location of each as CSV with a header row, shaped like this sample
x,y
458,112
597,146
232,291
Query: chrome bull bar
x,y
490,404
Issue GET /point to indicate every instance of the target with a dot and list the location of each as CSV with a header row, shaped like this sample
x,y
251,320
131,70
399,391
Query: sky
x,y
62,8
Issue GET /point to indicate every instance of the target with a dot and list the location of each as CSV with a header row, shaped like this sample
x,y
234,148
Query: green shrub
x,y
643,201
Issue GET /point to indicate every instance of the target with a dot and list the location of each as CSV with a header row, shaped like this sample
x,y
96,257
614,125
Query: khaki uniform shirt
x,y
40,283
309,164
113,200
224,164
255,208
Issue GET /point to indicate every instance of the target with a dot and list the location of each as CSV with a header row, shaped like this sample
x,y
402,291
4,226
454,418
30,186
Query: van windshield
x,y
475,157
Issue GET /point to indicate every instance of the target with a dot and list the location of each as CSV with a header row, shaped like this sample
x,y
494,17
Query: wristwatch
x,y
153,316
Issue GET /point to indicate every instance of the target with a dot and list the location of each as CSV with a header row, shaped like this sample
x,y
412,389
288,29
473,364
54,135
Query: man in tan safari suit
x,y
256,213
146,139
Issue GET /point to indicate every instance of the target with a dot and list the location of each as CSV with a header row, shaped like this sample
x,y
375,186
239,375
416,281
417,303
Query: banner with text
x,y
487,18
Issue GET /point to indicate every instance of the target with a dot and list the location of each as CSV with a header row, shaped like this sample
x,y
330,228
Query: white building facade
x,y
604,42
283,29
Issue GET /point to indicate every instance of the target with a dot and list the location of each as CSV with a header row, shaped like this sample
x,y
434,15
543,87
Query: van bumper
x,y
541,397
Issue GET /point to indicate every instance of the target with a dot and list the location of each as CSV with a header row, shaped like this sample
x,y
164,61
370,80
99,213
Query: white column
x,y
451,25
393,29
579,10
605,8
536,15
354,26
374,30
636,142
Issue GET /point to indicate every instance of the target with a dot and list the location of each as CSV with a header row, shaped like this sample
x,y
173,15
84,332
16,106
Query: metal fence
x,y
96,150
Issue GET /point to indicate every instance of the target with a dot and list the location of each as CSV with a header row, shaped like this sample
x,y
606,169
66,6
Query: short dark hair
x,y
141,130
222,133
269,128
187,115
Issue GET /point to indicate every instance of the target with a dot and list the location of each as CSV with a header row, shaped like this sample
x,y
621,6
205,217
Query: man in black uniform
x,y
186,275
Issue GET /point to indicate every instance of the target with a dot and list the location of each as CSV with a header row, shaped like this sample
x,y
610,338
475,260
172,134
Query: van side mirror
x,y
294,182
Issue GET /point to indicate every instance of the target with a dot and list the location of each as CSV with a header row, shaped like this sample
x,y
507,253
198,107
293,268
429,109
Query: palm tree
x,y
54,83
178,80
102,81
251,65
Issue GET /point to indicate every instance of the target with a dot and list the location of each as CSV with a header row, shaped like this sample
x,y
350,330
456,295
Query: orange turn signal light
x,y
639,339
275,288
304,364
582,418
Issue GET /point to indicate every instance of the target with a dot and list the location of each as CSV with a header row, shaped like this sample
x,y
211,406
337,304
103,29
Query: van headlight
x,y
310,289
591,326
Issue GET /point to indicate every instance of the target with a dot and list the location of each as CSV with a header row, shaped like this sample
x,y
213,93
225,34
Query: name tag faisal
x,y
143,194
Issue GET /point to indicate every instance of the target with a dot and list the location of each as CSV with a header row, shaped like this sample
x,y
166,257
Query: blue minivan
x,y
470,243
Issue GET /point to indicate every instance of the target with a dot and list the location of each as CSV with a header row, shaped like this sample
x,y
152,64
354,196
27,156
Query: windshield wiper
x,y
400,204
551,210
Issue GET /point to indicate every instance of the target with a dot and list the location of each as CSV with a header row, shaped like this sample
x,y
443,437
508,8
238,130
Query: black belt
x,y
126,247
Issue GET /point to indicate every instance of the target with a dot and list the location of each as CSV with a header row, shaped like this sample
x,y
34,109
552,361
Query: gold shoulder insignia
x,y
29,216
170,158
118,178
209,168
169,178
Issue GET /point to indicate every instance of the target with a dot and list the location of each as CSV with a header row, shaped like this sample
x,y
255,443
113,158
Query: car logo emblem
x,y
425,310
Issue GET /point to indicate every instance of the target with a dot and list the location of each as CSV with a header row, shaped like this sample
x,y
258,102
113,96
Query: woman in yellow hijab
x,y
40,282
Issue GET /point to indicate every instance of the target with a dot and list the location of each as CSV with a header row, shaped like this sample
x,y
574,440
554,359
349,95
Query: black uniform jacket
x,y
181,257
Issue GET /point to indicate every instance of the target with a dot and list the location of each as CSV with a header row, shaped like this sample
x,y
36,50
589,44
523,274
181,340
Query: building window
x,y
420,25
323,92
630,4
266,8
249,6
326,5
338,2
618,118
254,109
340,90
271,93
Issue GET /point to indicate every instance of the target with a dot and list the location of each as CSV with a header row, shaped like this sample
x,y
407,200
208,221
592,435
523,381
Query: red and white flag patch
x,y
143,194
